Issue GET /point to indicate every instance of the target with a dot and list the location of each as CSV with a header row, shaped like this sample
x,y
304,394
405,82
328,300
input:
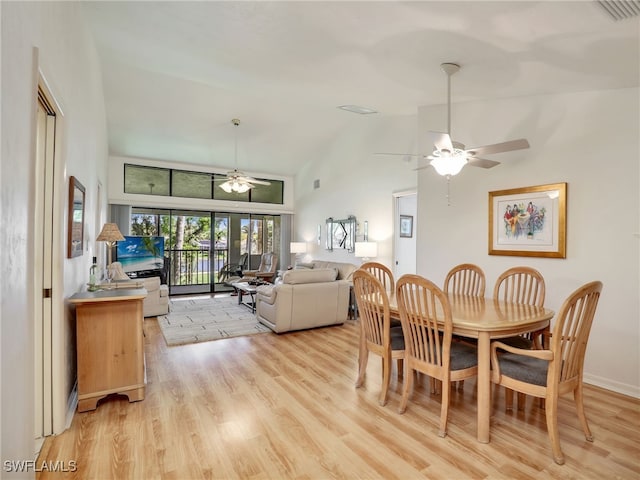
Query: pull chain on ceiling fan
x,y
236,180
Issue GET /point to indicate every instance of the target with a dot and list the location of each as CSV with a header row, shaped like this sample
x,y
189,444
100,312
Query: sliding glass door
x,y
207,250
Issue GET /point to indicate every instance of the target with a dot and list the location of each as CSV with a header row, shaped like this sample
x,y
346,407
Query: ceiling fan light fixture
x,y
227,186
234,186
450,165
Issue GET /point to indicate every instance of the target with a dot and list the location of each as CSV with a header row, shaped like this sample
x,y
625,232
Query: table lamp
x,y
296,248
110,234
366,250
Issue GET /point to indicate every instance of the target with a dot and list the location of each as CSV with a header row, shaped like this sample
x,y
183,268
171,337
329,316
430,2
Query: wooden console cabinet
x,y
110,345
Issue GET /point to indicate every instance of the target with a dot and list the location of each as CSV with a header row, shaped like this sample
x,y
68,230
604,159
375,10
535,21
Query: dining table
x,y
487,319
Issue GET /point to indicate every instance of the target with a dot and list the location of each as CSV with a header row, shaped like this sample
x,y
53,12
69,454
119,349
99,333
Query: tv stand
x,y
145,274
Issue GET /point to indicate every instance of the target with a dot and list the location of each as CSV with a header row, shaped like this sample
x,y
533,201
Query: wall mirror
x,y
75,238
341,233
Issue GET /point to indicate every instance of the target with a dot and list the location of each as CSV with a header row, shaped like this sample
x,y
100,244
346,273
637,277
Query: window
x,y
190,184
144,180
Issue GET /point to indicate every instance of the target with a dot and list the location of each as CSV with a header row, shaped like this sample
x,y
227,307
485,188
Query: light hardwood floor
x,y
271,407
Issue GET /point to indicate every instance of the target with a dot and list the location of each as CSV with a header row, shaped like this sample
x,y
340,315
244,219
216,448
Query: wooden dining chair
x,y
523,285
465,279
376,334
382,273
549,373
427,324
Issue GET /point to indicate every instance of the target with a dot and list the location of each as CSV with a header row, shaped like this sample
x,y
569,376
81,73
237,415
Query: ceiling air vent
x,y
621,9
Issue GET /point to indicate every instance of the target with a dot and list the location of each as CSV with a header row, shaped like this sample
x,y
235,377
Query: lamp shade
x,y
366,249
298,247
110,233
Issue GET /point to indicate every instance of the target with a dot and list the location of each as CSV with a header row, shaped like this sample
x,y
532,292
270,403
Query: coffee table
x,y
243,289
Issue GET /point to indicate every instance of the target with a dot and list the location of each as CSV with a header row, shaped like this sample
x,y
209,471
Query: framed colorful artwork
x,y
529,221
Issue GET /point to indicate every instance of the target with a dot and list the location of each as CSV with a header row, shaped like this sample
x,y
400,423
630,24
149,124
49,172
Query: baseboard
x,y
619,387
72,405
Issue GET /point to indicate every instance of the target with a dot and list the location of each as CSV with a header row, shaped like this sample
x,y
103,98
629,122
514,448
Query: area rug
x,y
206,319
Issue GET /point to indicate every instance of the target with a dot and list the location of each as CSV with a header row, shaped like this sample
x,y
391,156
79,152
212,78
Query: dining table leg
x,y
484,387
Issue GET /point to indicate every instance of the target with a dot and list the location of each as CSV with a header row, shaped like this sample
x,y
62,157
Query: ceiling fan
x,y
448,156
237,181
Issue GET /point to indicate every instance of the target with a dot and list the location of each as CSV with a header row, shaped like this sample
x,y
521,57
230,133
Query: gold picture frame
x,y
75,230
529,221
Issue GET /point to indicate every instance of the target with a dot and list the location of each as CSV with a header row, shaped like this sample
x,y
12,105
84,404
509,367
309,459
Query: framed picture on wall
x,y
406,226
529,221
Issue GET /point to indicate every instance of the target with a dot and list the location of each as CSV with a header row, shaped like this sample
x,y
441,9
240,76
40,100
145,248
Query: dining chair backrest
x,y
373,307
426,319
382,273
571,333
465,279
523,285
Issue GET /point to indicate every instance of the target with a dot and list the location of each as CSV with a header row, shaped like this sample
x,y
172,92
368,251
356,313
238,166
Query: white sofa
x,y
314,296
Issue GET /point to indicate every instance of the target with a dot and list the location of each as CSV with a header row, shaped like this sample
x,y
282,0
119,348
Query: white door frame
x,y
48,287
396,229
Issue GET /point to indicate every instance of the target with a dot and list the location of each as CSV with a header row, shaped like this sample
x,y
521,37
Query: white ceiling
x,y
176,73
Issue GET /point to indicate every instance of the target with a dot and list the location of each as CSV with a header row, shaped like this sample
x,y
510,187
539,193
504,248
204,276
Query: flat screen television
x,y
138,254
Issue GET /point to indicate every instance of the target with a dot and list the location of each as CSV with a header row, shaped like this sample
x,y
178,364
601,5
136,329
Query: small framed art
x,y
406,226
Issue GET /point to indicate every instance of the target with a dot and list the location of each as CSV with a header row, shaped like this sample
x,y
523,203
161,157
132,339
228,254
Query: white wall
x,y
355,181
69,62
589,140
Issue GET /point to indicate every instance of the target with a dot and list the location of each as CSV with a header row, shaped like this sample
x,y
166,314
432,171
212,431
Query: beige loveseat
x,y
314,296
157,300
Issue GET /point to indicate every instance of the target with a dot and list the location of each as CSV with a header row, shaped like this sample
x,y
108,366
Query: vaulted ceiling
x,y
176,73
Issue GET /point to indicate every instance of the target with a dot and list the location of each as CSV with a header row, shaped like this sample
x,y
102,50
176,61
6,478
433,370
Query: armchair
x,y
157,300
266,270
231,272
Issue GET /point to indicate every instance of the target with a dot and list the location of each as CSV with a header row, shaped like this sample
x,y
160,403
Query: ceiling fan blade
x,y
399,154
499,147
481,162
441,141
253,180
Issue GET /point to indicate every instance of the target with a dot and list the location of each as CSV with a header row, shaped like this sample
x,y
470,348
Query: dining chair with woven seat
x,y
427,324
376,334
557,370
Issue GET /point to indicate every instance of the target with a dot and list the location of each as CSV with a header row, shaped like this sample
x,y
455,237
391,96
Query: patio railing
x,y
194,267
